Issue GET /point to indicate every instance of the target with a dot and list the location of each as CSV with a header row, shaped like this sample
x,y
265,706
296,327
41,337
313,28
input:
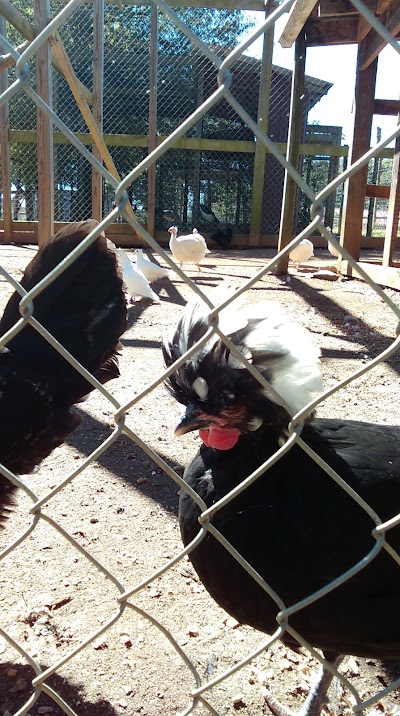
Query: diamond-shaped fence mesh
x,y
207,91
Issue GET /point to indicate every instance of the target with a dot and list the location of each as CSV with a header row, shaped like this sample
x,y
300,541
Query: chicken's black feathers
x,y
223,235
85,310
295,525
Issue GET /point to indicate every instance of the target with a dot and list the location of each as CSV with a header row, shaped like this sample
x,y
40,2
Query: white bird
x,y
333,250
302,252
151,270
134,279
190,248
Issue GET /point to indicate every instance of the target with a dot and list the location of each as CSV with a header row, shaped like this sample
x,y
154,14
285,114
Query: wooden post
x,y
354,196
24,27
44,129
261,150
98,75
393,208
5,152
293,151
198,131
151,173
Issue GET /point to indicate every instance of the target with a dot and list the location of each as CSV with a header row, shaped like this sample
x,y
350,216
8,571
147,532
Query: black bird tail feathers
x,y
85,310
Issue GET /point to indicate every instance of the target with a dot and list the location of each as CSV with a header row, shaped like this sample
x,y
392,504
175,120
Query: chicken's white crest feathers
x,y
286,351
280,349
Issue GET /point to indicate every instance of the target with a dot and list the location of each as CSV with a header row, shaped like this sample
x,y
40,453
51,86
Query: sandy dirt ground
x,y
122,509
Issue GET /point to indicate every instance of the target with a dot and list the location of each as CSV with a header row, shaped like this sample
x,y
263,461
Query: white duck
x,y
151,270
334,251
134,279
302,252
191,248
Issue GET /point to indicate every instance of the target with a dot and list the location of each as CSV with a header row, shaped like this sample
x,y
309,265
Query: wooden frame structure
x,y
314,23
311,23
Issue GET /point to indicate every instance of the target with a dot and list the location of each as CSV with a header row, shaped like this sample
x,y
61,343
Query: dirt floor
x,y
123,510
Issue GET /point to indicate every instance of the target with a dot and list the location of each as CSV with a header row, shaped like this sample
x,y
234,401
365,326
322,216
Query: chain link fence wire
x,y
185,77
209,104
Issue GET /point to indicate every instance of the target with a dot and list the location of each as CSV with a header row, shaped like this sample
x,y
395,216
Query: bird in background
x,y
134,279
223,235
150,270
84,308
294,525
207,214
190,248
332,249
302,252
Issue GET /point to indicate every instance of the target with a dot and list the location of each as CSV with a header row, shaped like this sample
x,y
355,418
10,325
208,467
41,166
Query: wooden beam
x,y
98,83
215,4
363,28
392,223
332,8
383,275
298,15
151,172
27,30
382,5
377,191
5,150
355,187
292,155
75,87
8,60
374,42
257,196
44,128
332,31
386,107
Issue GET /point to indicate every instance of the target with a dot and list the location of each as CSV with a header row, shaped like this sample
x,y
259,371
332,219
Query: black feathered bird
x,y
296,527
85,310
223,235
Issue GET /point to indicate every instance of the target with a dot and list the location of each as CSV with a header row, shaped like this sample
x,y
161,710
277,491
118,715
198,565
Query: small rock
x,y
238,700
231,623
192,630
100,644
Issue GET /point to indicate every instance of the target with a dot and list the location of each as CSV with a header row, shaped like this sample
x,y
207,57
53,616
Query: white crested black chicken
x,y
85,310
296,527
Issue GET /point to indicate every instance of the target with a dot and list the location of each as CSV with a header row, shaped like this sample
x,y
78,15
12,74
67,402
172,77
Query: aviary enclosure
x,y
121,81
143,116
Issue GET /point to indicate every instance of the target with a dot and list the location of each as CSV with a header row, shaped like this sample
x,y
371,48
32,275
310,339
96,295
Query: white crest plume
x,y
279,348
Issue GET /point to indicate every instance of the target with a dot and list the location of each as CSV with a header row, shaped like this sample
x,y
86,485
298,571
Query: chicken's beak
x,y
194,419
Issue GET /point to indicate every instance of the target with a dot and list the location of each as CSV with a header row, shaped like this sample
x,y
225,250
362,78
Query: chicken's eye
x,y
228,397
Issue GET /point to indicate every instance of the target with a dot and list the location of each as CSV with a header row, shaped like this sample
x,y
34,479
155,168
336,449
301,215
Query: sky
x,y
337,64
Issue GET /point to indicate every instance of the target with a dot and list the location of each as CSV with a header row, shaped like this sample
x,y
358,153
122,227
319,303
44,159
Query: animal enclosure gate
x,y
136,178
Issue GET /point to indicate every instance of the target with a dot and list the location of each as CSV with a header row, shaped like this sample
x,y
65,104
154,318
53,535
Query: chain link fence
x,y
197,181
207,111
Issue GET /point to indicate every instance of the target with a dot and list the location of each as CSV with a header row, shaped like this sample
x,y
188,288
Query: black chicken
x,y
296,527
85,310
223,235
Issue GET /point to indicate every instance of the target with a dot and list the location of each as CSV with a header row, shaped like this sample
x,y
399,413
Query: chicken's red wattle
x,y
220,438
